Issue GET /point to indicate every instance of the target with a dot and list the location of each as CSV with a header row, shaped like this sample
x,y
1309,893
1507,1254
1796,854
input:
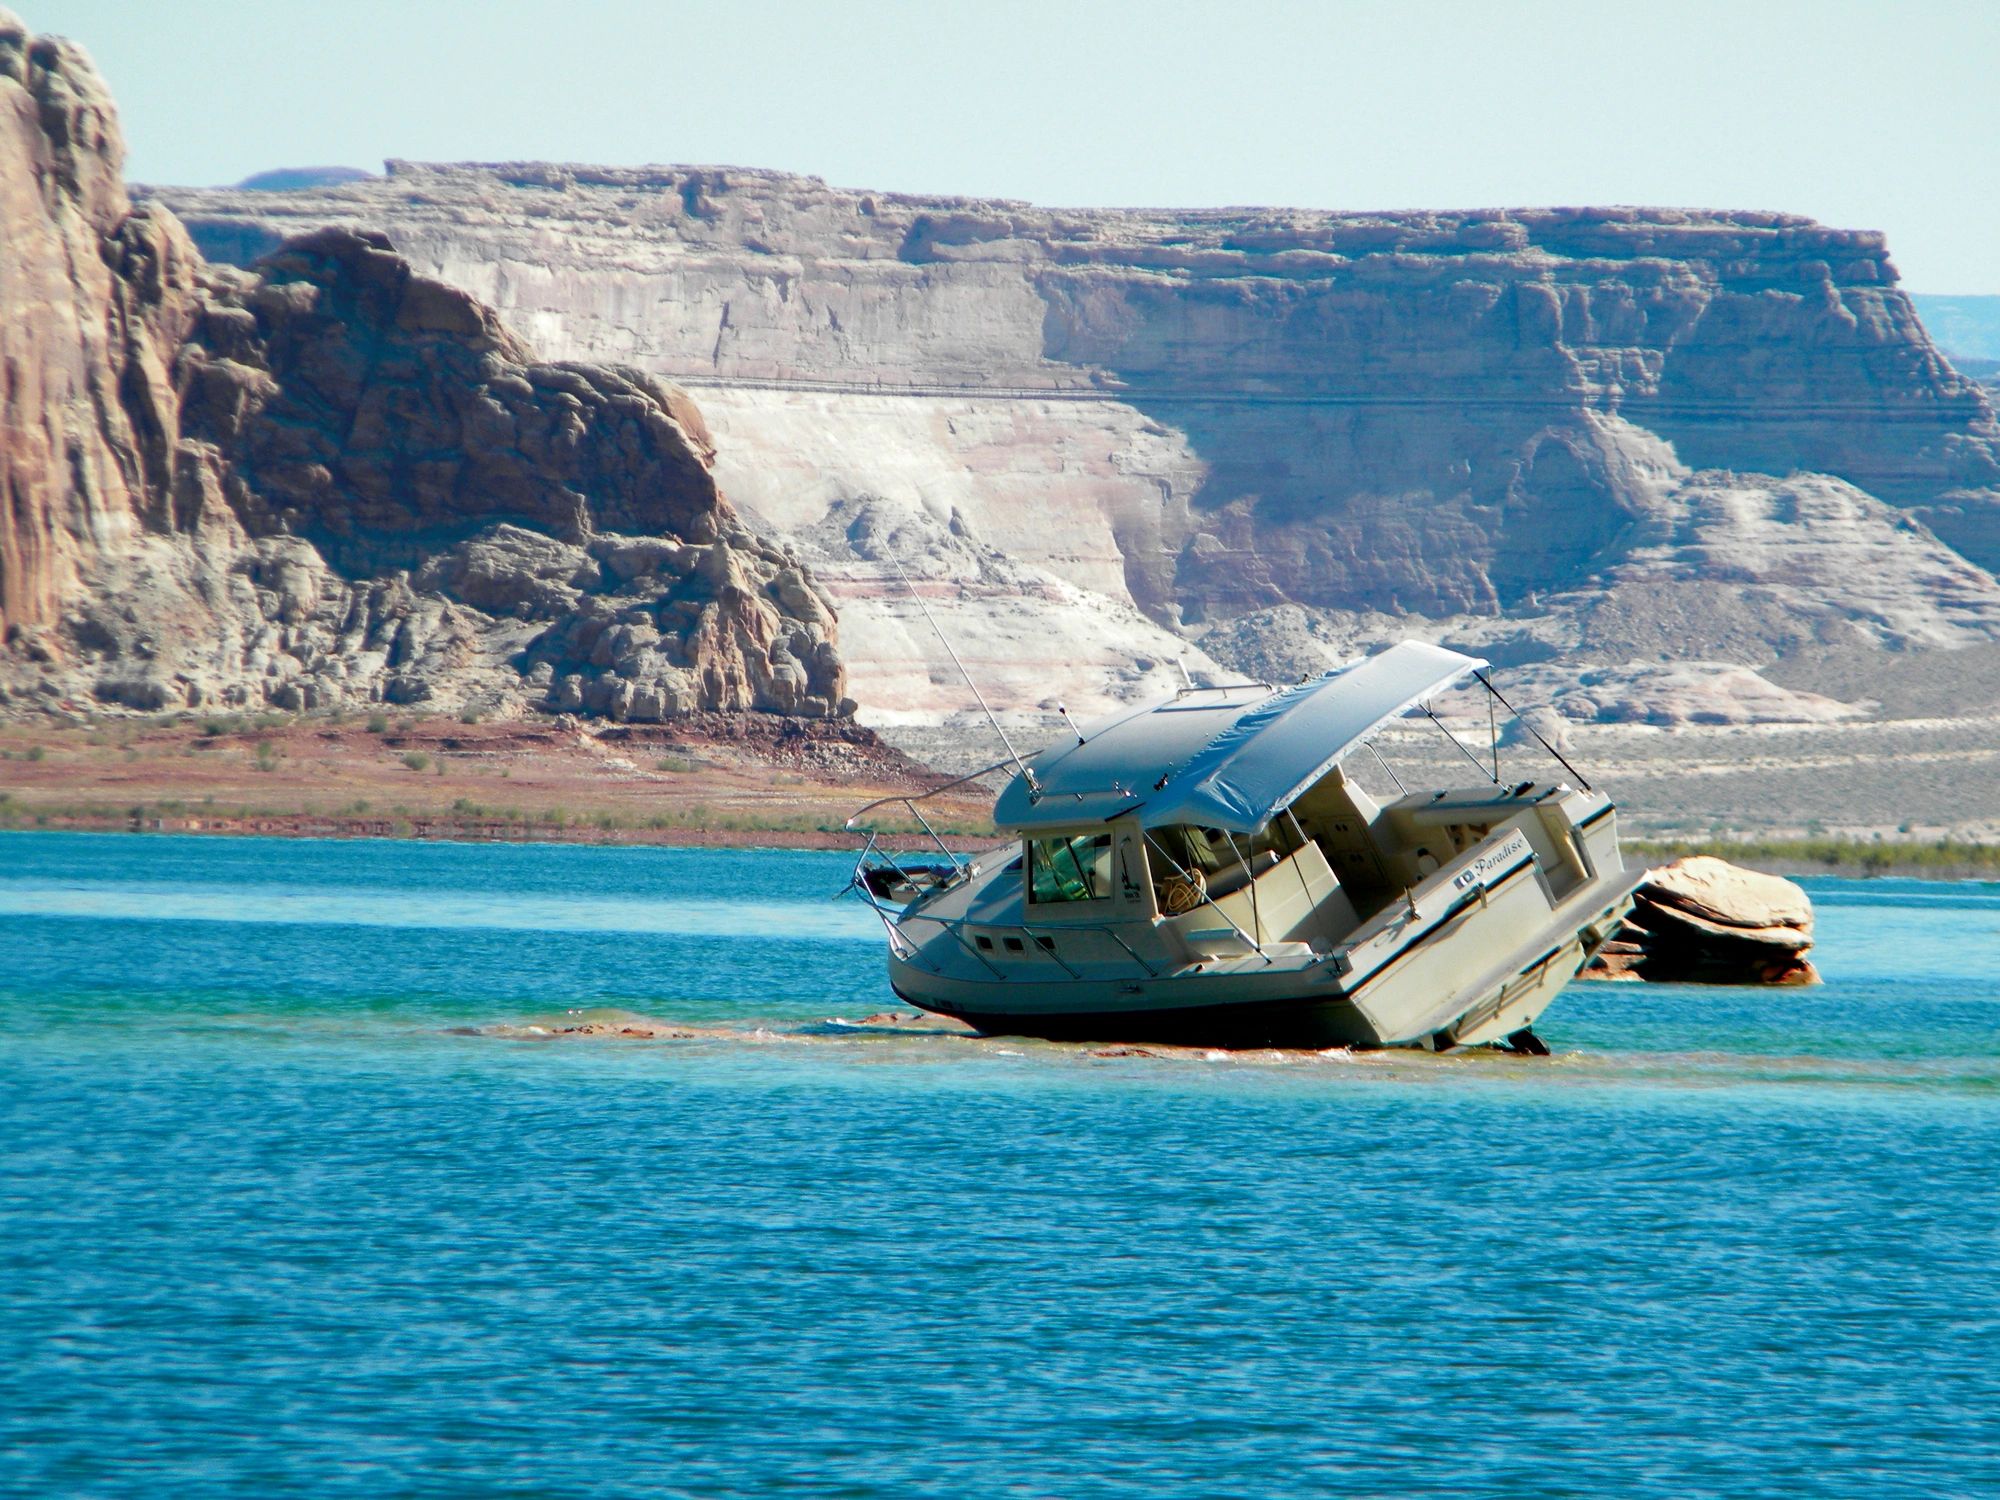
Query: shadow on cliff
x,y
1462,436
1426,457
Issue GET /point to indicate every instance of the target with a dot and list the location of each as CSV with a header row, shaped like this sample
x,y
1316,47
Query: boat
x,y
1210,869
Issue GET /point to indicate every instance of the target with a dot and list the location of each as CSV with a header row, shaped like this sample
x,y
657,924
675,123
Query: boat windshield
x,y
1070,868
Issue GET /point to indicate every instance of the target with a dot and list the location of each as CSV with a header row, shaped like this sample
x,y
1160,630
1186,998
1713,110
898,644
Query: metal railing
x,y
908,801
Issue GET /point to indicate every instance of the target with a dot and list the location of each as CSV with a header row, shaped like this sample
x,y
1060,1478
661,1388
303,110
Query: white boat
x,y
1205,869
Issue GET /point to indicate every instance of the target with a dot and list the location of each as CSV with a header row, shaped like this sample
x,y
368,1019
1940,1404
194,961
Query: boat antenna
x,y
1063,709
991,718
1187,682
1493,734
1522,720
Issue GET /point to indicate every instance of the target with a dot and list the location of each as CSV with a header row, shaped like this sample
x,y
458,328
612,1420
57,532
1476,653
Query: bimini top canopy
x,y
1227,758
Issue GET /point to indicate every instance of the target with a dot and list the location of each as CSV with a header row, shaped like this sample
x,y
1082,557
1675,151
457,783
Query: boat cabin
x,y
1223,823
1206,867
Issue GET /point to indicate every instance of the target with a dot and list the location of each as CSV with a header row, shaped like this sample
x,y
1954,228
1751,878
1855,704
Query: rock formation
x,y
1967,330
1703,920
330,480
1625,437
79,342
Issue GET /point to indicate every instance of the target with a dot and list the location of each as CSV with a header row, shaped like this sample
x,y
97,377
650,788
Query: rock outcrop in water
x,y
331,480
1703,920
1619,436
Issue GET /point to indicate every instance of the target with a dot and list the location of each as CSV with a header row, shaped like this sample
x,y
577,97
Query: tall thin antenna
x,y
1012,754
1523,721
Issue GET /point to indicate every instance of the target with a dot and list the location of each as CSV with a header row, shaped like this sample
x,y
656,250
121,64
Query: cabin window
x,y
1076,868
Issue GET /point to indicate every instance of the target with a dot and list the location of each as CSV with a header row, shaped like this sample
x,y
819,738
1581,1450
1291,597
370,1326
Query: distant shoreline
x,y
432,777
1857,859
412,775
446,828
1850,859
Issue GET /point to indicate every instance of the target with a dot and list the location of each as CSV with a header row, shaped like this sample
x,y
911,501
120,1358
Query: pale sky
x,y
1882,116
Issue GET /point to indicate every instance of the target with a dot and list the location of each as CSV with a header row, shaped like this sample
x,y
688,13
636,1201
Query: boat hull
x,y
1299,1008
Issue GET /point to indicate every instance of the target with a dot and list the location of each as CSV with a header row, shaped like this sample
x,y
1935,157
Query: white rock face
x,y
1031,641
1652,437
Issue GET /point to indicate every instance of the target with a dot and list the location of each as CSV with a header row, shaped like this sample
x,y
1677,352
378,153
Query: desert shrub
x,y
378,723
416,760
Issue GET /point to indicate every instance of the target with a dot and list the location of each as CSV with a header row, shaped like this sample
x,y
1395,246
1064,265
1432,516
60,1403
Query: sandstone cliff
x,y
329,480
70,472
1564,434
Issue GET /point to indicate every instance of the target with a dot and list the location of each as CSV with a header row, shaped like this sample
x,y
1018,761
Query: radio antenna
x,y
991,718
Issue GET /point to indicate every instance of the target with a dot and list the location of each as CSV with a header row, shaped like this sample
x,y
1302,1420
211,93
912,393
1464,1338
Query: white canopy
x,y
1228,758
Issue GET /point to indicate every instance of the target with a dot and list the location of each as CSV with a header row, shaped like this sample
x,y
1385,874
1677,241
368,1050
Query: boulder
x,y
1702,920
1729,896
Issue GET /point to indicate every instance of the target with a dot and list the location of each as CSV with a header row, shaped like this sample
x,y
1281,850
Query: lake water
x,y
295,1198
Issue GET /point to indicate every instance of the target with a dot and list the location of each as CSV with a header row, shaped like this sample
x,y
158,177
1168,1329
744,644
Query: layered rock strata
x,y
330,480
1703,920
1614,435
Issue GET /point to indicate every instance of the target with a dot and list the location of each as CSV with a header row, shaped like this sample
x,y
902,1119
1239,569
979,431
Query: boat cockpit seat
x,y
1344,821
1234,876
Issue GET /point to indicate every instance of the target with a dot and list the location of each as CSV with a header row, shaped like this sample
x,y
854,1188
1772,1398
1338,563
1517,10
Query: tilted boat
x,y
1205,869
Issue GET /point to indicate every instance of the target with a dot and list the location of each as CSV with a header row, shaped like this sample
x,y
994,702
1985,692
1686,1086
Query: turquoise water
x,y
302,1190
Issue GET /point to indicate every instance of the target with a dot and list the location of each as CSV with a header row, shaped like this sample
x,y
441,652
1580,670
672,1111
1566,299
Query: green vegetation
x,y
378,723
214,726
678,765
267,756
1839,856
416,760
37,752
